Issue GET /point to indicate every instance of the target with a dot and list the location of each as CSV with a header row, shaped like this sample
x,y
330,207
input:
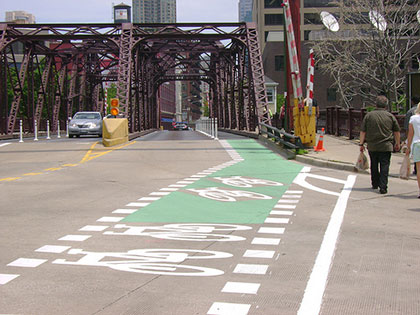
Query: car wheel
x,y
70,136
77,136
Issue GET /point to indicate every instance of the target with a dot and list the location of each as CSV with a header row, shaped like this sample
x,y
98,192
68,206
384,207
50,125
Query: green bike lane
x,y
267,176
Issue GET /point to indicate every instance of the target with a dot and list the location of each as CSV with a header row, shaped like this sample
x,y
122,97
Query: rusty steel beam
x,y
139,57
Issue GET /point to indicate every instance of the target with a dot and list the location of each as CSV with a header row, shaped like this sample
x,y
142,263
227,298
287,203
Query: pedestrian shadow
x,y
366,189
414,209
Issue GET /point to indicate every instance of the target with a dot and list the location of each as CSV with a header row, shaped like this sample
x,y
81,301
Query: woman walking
x,y
413,141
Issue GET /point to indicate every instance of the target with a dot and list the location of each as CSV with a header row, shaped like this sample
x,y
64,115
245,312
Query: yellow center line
x,y
90,155
95,153
9,179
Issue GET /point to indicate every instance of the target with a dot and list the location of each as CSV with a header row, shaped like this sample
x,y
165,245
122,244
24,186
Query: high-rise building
x,y
154,11
245,10
20,17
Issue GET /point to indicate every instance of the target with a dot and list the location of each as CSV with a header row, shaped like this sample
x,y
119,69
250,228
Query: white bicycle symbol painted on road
x,y
184,232
149,261
246,182
227,195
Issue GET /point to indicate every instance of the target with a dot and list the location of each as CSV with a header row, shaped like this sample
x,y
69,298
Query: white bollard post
x,y
212,128
36,131
58,129
21,131
67,128
48,130
216,133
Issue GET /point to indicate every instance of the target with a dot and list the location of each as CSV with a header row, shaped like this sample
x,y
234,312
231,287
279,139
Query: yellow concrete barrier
x,y
114,131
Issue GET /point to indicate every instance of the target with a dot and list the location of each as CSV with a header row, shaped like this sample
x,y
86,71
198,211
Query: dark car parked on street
x,y
180,126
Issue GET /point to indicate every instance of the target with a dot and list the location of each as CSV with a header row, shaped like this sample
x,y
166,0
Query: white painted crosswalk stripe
x,y
138,204
284,207
75,238
277,220
219,308
5,278
265,241
287,201
148,199
280,212
93,228
241,287
271,230
27,262
250,253
251,269
124,211
110,219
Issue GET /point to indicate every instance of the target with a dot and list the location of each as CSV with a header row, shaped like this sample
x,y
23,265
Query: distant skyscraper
x,y
20,17
245,10
154,11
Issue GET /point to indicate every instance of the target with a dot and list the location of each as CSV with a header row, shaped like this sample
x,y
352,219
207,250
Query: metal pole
x,y
58,129
20,131
36,131
216,133
48,130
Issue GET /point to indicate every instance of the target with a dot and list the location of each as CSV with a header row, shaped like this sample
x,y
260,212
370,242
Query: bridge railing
x,y
286,139
207,126
347,122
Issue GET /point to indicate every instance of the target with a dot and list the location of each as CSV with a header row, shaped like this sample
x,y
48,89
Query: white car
x,y
85,123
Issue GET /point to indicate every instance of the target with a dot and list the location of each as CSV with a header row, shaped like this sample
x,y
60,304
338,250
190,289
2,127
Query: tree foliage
x,y
370,56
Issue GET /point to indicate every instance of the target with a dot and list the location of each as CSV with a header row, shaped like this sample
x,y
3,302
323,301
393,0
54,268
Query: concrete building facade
x,y
245,10
20,17
154,11
160,11
269,16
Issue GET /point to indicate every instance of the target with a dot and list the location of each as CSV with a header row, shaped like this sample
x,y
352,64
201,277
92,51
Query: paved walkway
x,y
341,153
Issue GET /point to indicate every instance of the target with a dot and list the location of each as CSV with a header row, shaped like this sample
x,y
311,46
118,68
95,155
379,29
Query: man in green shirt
x,y
379,130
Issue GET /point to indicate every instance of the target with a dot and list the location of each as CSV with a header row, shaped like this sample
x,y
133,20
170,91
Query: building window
x,y
268,4
331,94
318,3
270,95
415,61
312,18
273,19
279,63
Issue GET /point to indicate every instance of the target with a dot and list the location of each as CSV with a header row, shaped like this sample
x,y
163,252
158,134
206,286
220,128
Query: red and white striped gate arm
x,y
293,57
310,81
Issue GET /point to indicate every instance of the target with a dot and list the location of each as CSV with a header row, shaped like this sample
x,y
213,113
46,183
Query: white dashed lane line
x,y
5,278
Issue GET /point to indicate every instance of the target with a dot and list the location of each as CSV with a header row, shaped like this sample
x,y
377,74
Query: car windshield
x,y
87,116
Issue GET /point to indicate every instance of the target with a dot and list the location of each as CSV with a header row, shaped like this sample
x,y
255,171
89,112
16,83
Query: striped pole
x,y
310,81
293,57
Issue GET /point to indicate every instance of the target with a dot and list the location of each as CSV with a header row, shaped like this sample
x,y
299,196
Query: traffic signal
x,y
114,111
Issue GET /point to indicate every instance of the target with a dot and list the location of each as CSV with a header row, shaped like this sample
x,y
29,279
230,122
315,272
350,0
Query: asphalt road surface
x,y
178,223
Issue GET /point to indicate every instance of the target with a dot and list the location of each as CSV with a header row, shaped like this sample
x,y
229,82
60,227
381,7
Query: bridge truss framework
x,y
49,71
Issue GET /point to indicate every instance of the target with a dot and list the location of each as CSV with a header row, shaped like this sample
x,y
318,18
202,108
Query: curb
x,y
329,164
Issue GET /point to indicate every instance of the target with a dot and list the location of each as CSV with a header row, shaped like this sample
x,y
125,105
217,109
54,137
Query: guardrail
x,y
207,126
286,139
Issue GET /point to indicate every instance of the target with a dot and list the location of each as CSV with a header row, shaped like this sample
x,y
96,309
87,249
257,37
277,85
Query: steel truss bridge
x,y
49,71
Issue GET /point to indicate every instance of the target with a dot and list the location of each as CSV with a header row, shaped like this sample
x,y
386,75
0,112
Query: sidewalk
x,y
341,153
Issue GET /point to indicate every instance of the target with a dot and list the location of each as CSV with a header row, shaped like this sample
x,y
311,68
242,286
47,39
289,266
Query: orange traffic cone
x,y
320,145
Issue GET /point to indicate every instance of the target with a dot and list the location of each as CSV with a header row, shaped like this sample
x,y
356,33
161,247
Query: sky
x,y
100,11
